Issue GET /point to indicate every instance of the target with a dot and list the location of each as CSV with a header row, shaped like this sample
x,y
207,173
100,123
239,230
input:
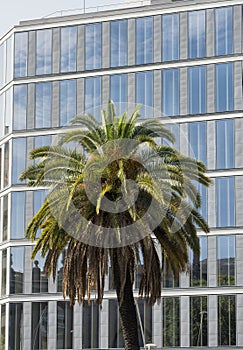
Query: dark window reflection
x,y
90,325
3,325
16,326
198,265
39,326
226,320
226,260
198,321
16,270
5,218
39,277
171,321
64,325
60,265
4,272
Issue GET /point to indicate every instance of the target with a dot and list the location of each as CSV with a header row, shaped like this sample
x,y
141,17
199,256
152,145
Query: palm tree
x,y
118,199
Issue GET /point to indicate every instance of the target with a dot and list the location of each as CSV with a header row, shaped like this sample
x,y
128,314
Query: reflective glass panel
x,y
64,325
197,89
20,54
93,40
68,101
19,159
226,260
170,92
115,333
224,30
197,144
198,321
39,277
16,324
44,51
196,34
227,320
171,321
68,49
118,44
20,107
4,272
5,218
16,270
8,111
17,215
225,201
93,96
118,91
175,130
170,37
39,326
9,60
1,65
144,93
6,165
3,325
224,87
90,325
39,197
225,143
198,265
60,264
144,40
145,312
43,105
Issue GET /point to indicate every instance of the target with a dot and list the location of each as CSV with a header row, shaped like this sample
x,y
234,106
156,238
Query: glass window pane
x,y
198,321
118,91
68,49
226,260
19,159
93,39
115,333
145,312
8,111
225,201
44,51
39,197
3,324
20,107
196,34
118,43
170,92
68,100
4,272
224,87
60,264
6,165
175,129
93,96
43,105
5,218
9,60
198,265
20,54
90,325
16,325
64,325
16,270
224,30
39,326
144,93
197,144
17,215
227,320
197,89
39,277
171,321
170,37
1,65
225,144
144,40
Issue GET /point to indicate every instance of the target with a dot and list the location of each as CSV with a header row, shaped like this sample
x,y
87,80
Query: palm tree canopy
x,y
117,192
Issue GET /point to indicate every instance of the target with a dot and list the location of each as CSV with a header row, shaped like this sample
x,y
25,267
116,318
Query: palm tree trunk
x,y
126,304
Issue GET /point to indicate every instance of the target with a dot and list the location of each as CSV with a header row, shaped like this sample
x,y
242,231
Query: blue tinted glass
x,y
118,91
203,193
225,143
144,93
170,92
225,201
197,89
67,101
39,197
175,129
20,107
41,141
68,49
144,40
20,54
226,260
16,270
44,51
198,274
224,30
93,96
118,34
224,87
196,32
17,215
170,37
93,46
43,105
19,158
197,144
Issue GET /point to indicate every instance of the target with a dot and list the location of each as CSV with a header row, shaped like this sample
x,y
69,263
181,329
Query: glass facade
x,y
199,265
20,107
93,51
43,96
144,40
19,158
16,270
16,324
93,96
90,325
197,144
39,277
197,90
68,49
171,321
68,100
144,87
39,326
17,215
170,92
44,51
118,43
226,260
224,31
196,34
118,91
198,321
226,320
225,144
170,37
20,54
225,201
224,87
64,325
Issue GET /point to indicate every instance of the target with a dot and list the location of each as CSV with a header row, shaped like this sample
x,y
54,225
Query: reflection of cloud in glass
x,y
20,107
68,49
197,35
118,39
44,51
93,46
43,105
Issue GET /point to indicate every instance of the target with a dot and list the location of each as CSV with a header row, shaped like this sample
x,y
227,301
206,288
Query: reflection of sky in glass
x,y
197,35
170,92
1,64
144,40
17,215
93,46
224,31
67,101
175,129
9,59
93,96
118,90
197,144
20,107
17,259
118,35
225,201
68,49
224,87
225,143
20,54
43,105
44,51
170,37
225,247
19,156
144,93
197,89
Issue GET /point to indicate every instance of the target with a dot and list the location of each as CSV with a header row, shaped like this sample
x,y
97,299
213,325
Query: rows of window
x,y
170,42
171,329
